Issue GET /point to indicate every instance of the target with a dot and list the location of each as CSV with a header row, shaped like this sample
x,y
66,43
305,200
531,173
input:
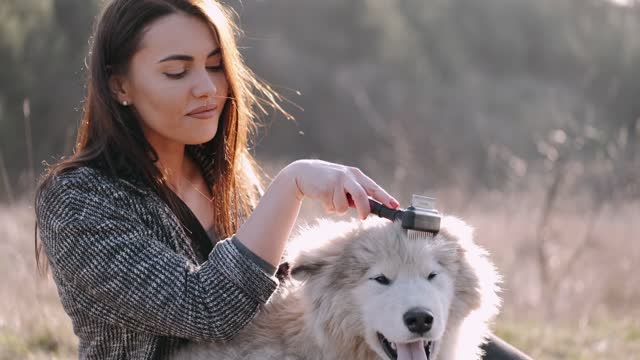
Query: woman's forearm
x,y
267,229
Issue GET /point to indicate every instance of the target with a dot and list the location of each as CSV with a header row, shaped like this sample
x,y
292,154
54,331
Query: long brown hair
x,y
110,136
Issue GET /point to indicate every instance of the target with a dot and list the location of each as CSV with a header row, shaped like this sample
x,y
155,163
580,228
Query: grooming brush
x,y
420,219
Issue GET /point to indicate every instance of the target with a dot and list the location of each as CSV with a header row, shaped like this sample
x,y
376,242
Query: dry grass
x,y
32,322
587,308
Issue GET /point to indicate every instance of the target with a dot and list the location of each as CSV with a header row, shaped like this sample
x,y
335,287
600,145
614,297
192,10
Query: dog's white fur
x,y
332,309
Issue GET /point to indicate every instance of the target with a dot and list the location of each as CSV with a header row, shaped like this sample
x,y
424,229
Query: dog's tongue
x,y
411,351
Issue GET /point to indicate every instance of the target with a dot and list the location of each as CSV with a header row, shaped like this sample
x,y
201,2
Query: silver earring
x,y
125,103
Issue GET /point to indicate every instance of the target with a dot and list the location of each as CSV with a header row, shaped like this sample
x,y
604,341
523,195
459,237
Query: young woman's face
x,y
177,70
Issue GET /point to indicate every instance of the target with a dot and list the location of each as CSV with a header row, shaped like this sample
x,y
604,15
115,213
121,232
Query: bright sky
x,y
623,2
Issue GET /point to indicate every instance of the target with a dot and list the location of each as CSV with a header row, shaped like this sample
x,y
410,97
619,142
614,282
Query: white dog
x,y
363,290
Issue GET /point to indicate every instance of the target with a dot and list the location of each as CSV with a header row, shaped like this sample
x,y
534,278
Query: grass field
x,y
570,289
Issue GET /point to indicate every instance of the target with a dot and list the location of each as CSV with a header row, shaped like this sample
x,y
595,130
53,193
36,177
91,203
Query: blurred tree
x,y
43,43
468,90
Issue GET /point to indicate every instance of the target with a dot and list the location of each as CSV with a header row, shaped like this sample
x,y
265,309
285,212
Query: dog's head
x,y
367,280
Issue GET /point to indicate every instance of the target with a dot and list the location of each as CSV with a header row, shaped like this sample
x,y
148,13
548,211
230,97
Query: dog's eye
x,y
382,279
432,275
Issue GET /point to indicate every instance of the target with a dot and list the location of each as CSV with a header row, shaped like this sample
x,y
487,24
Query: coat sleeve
x,y
120,273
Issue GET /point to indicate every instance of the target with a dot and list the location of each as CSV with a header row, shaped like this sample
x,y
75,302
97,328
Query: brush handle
x,y
383,211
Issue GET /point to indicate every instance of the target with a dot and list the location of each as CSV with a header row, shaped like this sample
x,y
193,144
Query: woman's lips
x,y
204,113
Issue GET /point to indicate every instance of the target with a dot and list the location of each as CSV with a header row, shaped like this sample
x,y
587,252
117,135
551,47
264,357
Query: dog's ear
x,y
455,229
302,270
478,280
318,247
283,272
458,236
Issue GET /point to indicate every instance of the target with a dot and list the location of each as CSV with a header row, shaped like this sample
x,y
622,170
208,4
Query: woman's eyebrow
x,y
188,57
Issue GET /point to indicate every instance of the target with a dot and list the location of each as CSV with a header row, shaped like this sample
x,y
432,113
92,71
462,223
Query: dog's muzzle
x,y
418,350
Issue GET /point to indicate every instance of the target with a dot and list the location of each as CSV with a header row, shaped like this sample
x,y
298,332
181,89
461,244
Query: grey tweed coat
x,y
128,276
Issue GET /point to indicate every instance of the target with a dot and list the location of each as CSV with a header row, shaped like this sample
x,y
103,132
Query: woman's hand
x,y
268,227
337,187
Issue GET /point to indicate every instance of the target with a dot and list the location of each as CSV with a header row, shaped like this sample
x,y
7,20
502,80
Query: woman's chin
x,y
201,138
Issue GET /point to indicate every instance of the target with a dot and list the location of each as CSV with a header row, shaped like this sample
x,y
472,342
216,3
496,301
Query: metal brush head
x,y
420,219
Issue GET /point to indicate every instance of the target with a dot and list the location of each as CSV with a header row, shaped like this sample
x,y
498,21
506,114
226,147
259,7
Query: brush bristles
x,y
420,235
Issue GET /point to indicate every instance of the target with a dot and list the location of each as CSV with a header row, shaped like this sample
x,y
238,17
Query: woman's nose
x,y
205,86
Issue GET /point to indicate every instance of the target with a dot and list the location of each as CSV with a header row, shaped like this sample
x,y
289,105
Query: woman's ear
x,y
119,87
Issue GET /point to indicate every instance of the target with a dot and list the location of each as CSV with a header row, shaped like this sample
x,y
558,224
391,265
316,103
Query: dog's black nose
x,y
418,320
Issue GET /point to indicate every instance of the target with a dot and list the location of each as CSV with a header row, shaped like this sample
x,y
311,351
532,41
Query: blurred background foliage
x,y
521,116
487,94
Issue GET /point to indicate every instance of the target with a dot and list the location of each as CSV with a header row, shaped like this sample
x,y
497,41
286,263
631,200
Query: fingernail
x,y
394,203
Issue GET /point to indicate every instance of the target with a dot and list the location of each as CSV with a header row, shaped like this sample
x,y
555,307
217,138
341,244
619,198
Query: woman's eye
x,y
432,275
215,68
381,279
176,76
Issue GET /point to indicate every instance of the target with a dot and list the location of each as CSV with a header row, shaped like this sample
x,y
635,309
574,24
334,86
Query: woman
x,y
160,172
